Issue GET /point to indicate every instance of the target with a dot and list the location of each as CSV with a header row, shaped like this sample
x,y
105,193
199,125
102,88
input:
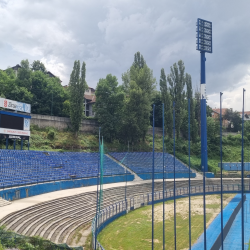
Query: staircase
x,y
4,202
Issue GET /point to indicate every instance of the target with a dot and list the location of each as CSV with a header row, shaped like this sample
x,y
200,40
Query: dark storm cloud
x,y
106,34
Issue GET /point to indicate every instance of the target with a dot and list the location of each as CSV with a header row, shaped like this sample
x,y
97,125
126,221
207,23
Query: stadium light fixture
x,y
203,44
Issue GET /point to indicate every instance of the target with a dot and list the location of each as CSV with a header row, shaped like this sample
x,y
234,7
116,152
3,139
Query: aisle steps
x,y
4,202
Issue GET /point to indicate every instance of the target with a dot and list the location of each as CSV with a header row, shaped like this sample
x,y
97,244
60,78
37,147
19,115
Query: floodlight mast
x,y
203,44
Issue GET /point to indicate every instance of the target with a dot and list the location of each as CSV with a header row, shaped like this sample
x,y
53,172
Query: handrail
x,y
140,200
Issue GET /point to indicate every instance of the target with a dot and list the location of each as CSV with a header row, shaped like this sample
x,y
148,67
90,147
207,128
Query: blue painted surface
x,y
233,239
214,228
235,166
167,175
15,114
209,175
42,188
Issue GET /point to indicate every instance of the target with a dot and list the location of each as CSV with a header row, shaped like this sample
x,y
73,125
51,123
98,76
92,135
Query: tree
x,y
77,87
167,100
136,114
109,106
176,80
138,82
158,110
24,75
38,66
193,122
234,119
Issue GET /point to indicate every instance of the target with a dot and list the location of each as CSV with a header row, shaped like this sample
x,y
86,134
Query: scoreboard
x,y
14,125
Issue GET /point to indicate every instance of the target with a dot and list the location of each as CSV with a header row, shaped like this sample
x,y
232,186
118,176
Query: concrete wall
x,y
42,188
148,176
61,123
235,166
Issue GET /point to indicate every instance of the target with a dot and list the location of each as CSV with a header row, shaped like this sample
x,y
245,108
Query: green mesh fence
x,y
100,202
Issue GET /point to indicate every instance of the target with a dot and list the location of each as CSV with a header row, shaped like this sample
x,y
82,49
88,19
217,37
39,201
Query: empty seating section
x,y
142,162
26,167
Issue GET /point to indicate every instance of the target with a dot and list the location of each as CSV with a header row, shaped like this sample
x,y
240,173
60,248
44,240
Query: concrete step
x,y
4,202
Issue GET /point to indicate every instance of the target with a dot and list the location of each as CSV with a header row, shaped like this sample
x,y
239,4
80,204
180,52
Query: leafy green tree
x,y
77,87
193,122
235,120
158,110
10,90
66,108
167,100
138,82
176,80
109,107
38,66
136,114
213,129
24,75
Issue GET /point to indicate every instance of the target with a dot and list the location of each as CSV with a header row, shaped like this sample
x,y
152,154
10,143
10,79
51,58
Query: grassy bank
x,y
50,139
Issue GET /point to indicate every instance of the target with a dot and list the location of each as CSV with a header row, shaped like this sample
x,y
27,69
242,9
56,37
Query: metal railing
x,y
106,215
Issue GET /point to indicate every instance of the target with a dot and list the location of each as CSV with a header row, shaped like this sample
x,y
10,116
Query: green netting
x,y
100,203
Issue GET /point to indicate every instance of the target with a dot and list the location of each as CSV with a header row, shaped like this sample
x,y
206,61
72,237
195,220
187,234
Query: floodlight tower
x,y
203,44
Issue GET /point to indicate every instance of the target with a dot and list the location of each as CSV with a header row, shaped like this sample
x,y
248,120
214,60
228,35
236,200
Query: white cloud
x,y
106,34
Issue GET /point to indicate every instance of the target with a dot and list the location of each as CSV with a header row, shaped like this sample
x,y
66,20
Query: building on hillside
x,y
17,67
216,115
246,115
89,101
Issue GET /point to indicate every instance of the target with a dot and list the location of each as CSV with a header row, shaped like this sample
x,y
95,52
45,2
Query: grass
x,y
133,231
51,139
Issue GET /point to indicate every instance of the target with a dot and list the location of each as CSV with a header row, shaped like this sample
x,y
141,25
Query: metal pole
x,y
163,178
174,177
153,176
126,182
189,196
97,186
221,183
7,143
204,137
242,174
29,144
203,113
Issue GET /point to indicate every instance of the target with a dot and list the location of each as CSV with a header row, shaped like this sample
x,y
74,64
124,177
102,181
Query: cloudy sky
x,y
107,33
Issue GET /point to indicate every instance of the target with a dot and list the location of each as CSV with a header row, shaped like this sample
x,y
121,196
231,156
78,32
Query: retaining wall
x,y
42,188
148,176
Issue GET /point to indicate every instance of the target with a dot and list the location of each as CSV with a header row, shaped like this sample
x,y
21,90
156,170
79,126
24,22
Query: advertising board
x,y
14,105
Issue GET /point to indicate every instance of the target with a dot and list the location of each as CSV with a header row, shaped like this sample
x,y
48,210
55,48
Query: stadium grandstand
x,y
21,167
141,162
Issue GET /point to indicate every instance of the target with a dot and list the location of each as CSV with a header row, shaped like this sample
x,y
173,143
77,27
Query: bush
x,y
51,134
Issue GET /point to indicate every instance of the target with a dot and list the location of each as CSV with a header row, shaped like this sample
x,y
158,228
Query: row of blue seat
x,y
24,167
141,162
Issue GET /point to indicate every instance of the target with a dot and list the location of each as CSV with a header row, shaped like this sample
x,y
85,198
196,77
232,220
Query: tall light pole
x,y
203,44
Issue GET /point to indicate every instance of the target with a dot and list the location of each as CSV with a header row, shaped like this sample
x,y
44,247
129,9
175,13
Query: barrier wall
x,y
209,175
148,176
234,166
42,188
